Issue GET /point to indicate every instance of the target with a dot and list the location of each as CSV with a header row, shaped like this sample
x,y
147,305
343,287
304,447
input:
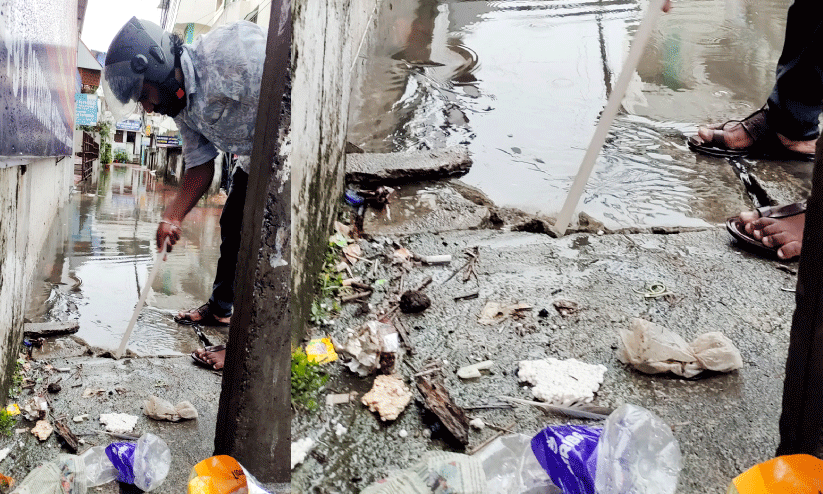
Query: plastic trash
x,y
798,474
99,469
568,454
144,464
511,467
65,475
222,475
637,454
437,471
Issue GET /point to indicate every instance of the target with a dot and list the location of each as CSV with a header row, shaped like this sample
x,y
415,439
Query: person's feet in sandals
x,y
202,315
750,137
213,356
784,234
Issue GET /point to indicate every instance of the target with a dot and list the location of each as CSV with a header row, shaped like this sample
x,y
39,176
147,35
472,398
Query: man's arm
x,y
195,183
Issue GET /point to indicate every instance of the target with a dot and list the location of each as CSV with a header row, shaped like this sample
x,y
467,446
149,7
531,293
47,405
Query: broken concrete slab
x,y
57,328
415,166
780,182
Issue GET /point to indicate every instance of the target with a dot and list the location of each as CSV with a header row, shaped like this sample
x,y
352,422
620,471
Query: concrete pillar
x,y
254,416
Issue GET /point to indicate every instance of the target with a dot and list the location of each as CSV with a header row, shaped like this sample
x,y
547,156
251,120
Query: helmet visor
x,y
122,88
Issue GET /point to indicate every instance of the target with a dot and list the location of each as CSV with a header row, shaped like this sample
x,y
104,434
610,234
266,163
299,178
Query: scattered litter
x,y
495,312
389,396
42,430
653,349
339,429
339,240
4,453
54,388
413,301
66,474
80,418
402,255
13,409
6,482
299,450
369,344
61,428
473,371
145,464
89,392
467,296
653,290
63,369
566,307
118,423
403,433
339,399
581,411
437,471
543,313
799,473
352,253
562,381
222,475
477,424
21,430
35,408
321,351
510,466
160,409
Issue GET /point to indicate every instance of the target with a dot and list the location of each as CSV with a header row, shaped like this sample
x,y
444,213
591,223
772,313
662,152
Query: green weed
x,y
7,423
306,380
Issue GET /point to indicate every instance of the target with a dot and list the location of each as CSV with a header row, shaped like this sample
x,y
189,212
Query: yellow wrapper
x,y
321,351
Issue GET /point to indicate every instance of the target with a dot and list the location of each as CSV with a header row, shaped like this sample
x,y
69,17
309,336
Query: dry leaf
x,y
352,253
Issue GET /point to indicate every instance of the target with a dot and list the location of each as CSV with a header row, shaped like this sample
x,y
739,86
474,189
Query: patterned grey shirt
x,y
222,71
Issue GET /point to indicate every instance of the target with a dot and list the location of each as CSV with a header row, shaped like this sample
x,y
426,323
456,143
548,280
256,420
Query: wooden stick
x,y
644,31
161,256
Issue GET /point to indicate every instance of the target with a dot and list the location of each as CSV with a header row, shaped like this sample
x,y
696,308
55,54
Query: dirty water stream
x,y
522,83
99,255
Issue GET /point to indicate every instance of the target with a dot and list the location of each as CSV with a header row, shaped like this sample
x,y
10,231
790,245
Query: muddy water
x,y
99,256
522,83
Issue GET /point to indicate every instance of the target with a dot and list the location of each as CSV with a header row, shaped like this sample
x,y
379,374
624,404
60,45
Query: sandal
x,y
766,144
202,315
203,362
737,230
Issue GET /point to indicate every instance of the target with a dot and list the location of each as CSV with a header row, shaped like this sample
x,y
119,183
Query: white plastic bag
x,y
152,459
511,467
65,475
99,469
637,454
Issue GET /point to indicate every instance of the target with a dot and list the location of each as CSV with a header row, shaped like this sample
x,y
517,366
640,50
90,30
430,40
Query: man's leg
x,y
801,420
231,223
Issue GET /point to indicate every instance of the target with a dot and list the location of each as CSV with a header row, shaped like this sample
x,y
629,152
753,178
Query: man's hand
x,y
167,230
667,5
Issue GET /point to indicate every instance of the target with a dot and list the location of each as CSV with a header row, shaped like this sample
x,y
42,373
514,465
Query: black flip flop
x,y
202,362
746,241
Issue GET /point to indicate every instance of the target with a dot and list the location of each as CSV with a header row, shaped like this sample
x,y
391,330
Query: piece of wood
x,y
438,401
62,430
642,35
356,296
468,296
57,328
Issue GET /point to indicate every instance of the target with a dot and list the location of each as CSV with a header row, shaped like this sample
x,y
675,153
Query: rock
x,y
414,301
54,388
477,424
473,371
389,396
80,418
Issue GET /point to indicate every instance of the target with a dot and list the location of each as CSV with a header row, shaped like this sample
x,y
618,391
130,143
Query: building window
x,y
130,136
118,136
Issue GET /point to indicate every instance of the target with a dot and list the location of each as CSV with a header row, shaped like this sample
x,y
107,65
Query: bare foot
x,y
785,233
216,359
736,137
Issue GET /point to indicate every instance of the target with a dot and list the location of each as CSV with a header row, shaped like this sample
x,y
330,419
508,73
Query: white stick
x,y
161,256
612,106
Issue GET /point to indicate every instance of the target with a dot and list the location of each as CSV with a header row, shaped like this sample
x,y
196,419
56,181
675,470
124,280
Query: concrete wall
x,y
327,38
30,196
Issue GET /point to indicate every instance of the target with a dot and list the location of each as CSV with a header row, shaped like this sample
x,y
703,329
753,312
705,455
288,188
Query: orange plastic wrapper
x,y
795,474
217,475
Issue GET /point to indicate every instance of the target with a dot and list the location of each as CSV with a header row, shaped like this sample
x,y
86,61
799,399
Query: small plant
x,y
105,153
120,156
7,423
306,380
17,379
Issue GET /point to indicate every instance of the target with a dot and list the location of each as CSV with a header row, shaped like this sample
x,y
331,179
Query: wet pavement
x,y
99,256
522,83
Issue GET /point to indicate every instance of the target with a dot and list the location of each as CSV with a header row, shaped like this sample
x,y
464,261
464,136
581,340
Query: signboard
x,y
86,109
38,67
130,125
167,141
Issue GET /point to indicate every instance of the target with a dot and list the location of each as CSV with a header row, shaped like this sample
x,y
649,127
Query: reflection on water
x,y
522,84
99,256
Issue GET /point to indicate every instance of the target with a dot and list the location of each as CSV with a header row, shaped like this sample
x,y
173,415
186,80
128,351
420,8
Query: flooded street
x,y
522,83
100,252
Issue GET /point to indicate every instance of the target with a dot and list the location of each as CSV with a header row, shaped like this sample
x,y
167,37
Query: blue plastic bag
x,y
568,454
122,457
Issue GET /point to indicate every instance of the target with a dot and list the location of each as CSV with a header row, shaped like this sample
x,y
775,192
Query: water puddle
x,y
99,255
522,84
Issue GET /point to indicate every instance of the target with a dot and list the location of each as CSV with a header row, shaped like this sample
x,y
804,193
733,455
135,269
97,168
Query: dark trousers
x,y
231,224
801,420
794,105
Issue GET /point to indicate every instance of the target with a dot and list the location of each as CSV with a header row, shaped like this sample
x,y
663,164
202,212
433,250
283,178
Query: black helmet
x,y
140,52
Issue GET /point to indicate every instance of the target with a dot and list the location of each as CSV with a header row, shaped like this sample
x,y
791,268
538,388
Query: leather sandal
x,y
202,315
